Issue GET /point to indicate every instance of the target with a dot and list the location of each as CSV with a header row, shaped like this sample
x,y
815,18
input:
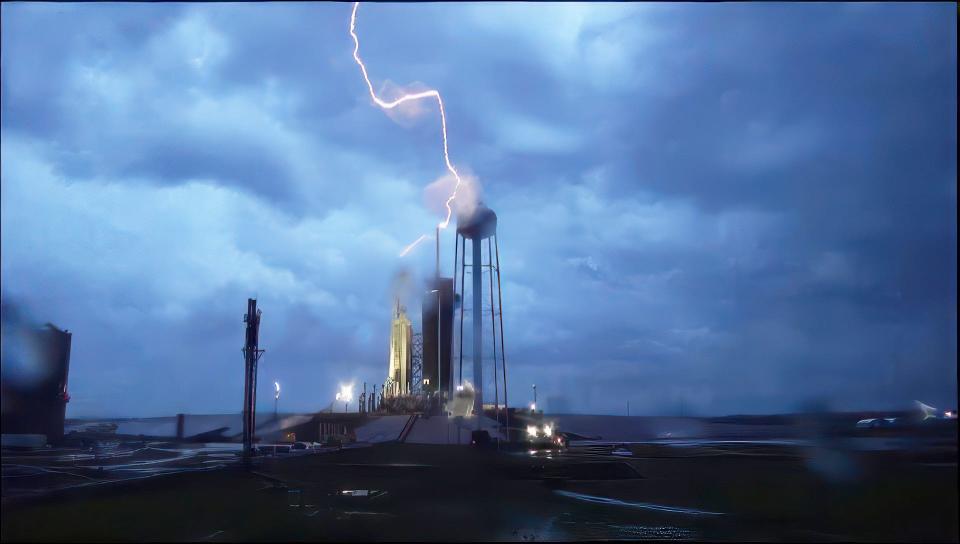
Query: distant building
x,y
401,354
34,385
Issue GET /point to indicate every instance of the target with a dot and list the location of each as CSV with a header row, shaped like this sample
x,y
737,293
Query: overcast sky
x,y
710,208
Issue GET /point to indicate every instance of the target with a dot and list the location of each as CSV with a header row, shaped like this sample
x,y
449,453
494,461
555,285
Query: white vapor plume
x,y
468,195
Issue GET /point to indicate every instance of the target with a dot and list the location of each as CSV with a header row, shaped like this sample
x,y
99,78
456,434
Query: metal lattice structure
x,y
251,356
417,370
480,227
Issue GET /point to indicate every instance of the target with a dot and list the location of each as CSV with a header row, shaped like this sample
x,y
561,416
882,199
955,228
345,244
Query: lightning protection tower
x,y
251,355
480,227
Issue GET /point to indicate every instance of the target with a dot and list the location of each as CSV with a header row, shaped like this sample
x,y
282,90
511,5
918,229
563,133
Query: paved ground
x,y
733,491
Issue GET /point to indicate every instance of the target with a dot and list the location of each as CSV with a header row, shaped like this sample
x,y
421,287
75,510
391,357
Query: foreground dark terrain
x,y
393,491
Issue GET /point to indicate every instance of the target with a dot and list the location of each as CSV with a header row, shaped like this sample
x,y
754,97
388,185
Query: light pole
x,y
276,400
534,406
439,380
437,291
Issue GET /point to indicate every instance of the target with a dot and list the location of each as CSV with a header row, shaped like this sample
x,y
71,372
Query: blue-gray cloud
x,y
729,207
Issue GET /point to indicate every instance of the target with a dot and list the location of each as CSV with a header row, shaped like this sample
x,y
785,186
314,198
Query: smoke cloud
x,y
22,358
469,194
461,405
406,114
402,286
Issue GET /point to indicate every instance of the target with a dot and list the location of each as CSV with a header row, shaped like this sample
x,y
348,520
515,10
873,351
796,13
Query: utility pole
x,y
439,314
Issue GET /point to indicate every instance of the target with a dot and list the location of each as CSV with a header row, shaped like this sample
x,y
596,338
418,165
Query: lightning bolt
x,y
433,93
413,244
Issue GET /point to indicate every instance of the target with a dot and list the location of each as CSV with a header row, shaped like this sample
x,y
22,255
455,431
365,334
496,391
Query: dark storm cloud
x,y
730,207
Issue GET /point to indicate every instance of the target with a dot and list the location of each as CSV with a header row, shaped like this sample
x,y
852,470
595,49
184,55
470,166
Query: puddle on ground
x,y
295,499
566,526
367,493
213,535
641,505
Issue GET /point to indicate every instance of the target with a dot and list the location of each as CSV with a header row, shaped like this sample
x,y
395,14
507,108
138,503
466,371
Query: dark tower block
x,y
437,324
36,403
